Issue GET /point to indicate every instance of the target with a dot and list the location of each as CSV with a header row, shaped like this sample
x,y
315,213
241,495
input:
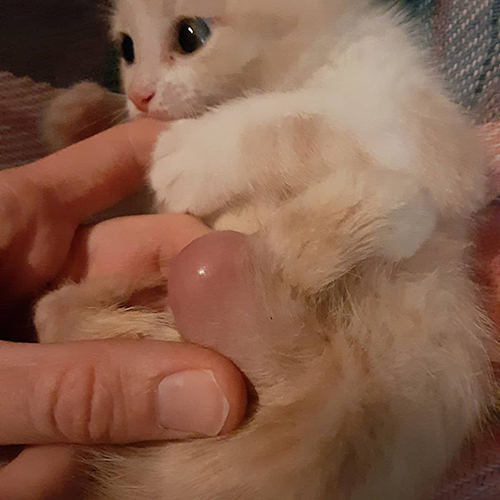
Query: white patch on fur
x,y
410,226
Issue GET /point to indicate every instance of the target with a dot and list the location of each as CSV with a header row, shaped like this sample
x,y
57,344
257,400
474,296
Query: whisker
x,y
117,116
120,119
119,95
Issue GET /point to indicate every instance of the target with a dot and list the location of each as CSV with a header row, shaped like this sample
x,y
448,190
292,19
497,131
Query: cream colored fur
x,y
321,125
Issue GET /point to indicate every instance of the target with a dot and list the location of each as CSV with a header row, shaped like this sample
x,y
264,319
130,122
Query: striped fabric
x,y
466,36
21,104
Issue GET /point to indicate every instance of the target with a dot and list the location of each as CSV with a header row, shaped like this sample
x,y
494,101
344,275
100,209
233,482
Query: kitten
x,y
321,128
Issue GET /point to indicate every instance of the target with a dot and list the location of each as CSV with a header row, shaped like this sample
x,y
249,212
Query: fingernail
x,y
192,402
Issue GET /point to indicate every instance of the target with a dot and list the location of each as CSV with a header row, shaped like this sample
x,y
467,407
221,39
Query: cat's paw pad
x,y
80,112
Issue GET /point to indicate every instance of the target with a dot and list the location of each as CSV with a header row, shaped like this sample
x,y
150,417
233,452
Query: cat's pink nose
x,y
141,100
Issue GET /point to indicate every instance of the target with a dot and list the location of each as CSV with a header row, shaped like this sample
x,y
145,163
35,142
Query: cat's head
x,y
180,57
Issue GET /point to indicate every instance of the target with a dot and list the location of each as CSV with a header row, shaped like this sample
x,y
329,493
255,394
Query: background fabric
x,y
466,38
55,41
22,102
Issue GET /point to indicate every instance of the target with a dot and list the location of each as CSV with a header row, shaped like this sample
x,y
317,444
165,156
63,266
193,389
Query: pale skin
x,y
42,242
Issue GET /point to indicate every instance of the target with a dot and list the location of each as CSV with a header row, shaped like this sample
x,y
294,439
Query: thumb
x,y
215,272
234,314
115,392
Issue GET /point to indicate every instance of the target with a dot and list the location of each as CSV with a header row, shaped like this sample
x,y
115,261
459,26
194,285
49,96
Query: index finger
x,y
116,391
97,173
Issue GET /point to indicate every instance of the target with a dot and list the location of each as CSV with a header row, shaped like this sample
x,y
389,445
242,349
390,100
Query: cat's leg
x,y
99,309
336,205
274,146
268,144
354,215
81,112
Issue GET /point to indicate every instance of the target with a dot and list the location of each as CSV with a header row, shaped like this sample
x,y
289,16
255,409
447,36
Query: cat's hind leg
x,y
100,309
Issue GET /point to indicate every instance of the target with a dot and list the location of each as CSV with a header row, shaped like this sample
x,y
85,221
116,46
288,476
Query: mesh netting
x,y
466,39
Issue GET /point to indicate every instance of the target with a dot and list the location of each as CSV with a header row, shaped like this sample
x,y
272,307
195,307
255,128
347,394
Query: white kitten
x,y
320,124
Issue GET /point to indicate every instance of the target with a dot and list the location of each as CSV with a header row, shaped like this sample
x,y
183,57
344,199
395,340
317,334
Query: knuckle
x,y
83,407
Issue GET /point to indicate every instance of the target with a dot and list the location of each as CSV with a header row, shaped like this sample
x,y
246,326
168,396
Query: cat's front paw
x,y
192,170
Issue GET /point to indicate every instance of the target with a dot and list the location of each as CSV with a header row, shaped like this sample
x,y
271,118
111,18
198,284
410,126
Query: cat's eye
x,y
127,49
191,34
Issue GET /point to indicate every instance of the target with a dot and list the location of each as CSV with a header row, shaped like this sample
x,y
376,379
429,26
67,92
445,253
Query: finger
x,y
42,204
43,472
231,314
94,174
115,392
212,273
135,246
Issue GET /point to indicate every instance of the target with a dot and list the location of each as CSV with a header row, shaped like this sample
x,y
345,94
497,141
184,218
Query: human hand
x,y
213,273
47,392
